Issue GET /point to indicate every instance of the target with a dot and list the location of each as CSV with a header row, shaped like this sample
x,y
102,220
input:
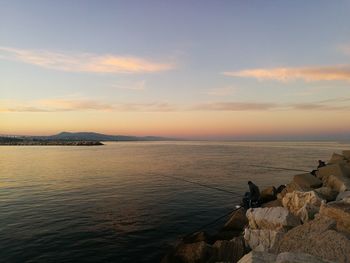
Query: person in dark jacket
x,y
321,164
251,198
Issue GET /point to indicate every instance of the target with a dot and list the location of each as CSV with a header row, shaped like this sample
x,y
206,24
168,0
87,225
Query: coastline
x,y
51,143
306,220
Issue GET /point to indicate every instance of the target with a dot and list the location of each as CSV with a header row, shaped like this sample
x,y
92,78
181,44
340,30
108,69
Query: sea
x,y
130,201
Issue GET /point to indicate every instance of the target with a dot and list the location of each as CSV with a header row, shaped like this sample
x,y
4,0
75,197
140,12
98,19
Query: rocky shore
x,y
307,220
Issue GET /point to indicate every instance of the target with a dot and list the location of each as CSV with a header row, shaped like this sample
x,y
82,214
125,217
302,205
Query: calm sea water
x,y
116,203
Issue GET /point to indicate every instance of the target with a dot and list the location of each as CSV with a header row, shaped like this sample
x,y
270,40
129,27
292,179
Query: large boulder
x,y
291,187
302,204
196,237
340,212
268,194
318,238
335,176
337,158
288,257
274,218
237,221
326,193
262,239
307,180
198,252
228,250
346,154
258,257
344,196
274,203
285,257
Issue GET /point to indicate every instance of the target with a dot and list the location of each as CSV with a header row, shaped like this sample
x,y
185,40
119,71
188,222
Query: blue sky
x,y
209,63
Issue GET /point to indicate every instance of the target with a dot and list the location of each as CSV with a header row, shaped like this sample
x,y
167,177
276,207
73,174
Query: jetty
x,y
306,220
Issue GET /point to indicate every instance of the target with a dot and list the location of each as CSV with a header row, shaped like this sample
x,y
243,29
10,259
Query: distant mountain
x,y
93,136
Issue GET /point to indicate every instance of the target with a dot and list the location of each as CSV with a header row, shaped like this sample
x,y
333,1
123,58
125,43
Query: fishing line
x,y
205,185
279,168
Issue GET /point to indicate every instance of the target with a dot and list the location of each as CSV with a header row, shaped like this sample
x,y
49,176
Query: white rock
x,y
274,218
258,257
262,239
302,204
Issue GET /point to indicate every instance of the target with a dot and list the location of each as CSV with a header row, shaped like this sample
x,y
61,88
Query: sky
x,y
188,69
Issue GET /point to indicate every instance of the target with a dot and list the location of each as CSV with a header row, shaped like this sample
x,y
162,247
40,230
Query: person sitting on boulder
x,y
321,164
251,198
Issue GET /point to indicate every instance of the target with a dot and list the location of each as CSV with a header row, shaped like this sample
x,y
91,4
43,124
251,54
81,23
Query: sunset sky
x,y
191,69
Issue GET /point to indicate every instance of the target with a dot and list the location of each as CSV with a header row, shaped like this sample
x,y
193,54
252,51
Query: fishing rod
x,y
279,168
213,222
204,185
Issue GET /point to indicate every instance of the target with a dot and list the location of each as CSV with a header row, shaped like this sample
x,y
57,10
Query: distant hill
x,y
93,136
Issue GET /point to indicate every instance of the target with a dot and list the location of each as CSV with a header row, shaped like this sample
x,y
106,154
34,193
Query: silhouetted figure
x,y
321,164
252,198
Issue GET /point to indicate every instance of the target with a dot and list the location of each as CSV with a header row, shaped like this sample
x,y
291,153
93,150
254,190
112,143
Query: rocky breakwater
x,y
307,220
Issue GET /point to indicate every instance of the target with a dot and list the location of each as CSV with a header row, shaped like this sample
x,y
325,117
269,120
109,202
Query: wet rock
x,y
302,204
326,193
340,212
199,252
318,238
262,239
196,237
337,158
344,196
274,218
228,251
226,235
268,194
307,180
237,221
275,203
258,257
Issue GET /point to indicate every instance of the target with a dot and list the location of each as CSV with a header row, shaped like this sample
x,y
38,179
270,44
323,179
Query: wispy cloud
x,y
70,105
137,86
234,106
316,73
225,91
83,62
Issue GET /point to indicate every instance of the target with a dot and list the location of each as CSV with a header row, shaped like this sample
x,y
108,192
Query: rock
x,y
346,154
337,158
262,239
291,187
274,218
340,212
344,196
318,238
337,183
268,194
275,203
285,257
237,221
199,252
326,193
228,251
288,257
307,180
226,234
302,204
258,257
196,237
338,169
